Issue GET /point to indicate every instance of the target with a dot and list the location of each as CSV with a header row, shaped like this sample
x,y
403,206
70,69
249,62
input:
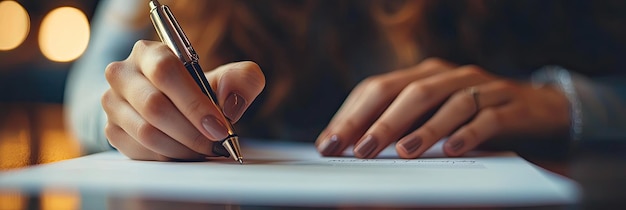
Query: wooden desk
x,y
35,133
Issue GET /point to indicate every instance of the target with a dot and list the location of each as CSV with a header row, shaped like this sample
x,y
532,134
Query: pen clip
x,y
171,33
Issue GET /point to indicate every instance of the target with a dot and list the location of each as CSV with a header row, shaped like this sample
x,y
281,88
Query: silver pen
x,y
172,35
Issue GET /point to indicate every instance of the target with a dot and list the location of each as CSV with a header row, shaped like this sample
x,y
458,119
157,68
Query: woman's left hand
x,y
470,107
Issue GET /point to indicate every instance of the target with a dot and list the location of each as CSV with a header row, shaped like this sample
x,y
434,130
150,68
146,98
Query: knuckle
x,y
147,134
253,74
429,131
164,69
139,48
155,104
505,86
464,103
109,132
112,132
472,134
194,106
433,62
420,90
378,85
385,128
113,70
350,128
367,81
471,70
107,100
350,123
251,65
364,83
140,45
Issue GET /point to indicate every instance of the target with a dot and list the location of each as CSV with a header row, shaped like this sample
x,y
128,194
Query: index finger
x,y
367,102
237,85
159,64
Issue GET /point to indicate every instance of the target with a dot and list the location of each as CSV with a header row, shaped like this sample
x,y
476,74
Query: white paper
x,y
295,174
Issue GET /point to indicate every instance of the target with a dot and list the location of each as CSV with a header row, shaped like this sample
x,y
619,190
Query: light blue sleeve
x,y
597,105
111,39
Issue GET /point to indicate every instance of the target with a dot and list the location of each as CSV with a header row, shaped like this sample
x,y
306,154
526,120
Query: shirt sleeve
x,y
597,105
111,39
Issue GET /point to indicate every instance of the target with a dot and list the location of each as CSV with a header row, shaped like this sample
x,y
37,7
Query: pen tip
x,y
241,161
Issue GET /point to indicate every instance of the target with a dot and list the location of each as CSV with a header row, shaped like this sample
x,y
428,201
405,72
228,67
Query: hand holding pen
x,y
156,110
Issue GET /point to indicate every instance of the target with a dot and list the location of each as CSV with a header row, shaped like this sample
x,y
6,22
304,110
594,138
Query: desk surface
x,y
34,133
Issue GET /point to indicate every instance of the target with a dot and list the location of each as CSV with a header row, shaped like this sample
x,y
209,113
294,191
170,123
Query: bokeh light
x,y
15,24
64,34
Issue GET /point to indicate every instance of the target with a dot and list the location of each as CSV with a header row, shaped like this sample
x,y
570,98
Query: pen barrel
x,y
171,33
198,75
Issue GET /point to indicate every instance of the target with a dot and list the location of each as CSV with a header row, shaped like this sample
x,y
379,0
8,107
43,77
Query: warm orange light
x,y
12,200
15,24
64,34
60,199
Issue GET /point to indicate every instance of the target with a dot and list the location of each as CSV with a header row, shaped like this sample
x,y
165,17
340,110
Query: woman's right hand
x,y
156,111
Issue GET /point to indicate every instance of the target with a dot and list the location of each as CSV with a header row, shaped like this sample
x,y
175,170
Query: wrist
x,y
560,79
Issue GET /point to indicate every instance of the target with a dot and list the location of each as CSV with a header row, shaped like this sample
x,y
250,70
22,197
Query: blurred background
x,y
39,40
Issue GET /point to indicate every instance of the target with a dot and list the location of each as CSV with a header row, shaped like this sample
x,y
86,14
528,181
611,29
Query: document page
x,y
295,174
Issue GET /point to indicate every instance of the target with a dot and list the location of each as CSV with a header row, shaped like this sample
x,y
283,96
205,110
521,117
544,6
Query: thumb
x,y
236,86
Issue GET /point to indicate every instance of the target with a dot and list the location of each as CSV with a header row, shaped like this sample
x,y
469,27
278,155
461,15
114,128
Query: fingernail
x,y
322,135
214,127
456,145
233,106
366,147
329,146
411,145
